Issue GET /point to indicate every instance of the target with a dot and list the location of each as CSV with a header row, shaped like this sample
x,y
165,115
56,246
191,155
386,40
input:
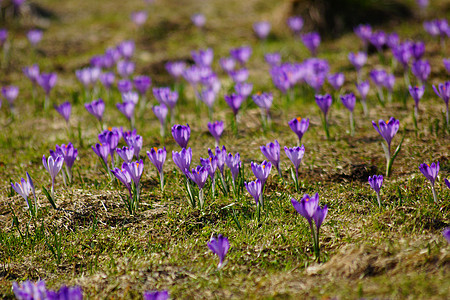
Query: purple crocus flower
x,y
263,100
126,49
240,75
3,36
378,77
364,32
295,23
376,181
53,166
299,126
124,86
261,171
363,89
211,165
72,293
125,68
387,129
69,153
403,53
139,17
221,155
203,57
392,40
127,109
32,73
30,290
446,234
183,159
378,39
272,152
446,62
110,138
175,68
156,295
10,93
358,60
130,97
88,76
107,79
102,150
64,110
431,173
255,189
198,20
181,134
34,36
165,96
418,50
349,101
244,89
216,130
241,54
309,208
417,93
295,154
234,163
23,188
336,80
124,176
311,41
235,102
208,96
443,91
135,170
142,84
136,142
262,29
421,69
220,247
199,175
126,153
157,157
273,59
96,108
47,81
324,103
227,64
160,112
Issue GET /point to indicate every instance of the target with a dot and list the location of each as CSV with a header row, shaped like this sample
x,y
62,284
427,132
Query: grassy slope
x,y
396,252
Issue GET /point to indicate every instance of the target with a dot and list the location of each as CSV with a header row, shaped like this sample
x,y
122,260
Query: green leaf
x,y
49,197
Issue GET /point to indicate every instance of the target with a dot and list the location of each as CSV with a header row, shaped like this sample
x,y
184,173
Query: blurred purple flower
x,y
254,188
181,134
240,75
241,54
64,110
295,23
142,83
324,103
28,290
299,126
273,59
139,17
295,154
363,89
198,20
220,247
34,36
156,295
378,39
243,88
311,41
125,68
69,293
376,181
32,73
234,101
127,109
160,112
10,93
262,29
421,69
96,108
349,101
336,80
227,64
107,79
358,60
47,81
175,68
216,130
416,93
203,57
234,163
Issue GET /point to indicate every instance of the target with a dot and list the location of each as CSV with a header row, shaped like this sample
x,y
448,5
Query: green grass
x,y
394,252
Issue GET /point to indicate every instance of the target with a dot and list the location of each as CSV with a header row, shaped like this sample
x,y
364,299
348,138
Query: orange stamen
x,y
299,118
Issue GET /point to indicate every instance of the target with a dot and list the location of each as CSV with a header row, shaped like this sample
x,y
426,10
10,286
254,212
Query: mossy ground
x,y
394,252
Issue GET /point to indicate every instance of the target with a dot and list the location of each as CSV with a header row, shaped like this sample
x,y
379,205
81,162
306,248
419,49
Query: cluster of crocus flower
x,y
37,290
309,208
